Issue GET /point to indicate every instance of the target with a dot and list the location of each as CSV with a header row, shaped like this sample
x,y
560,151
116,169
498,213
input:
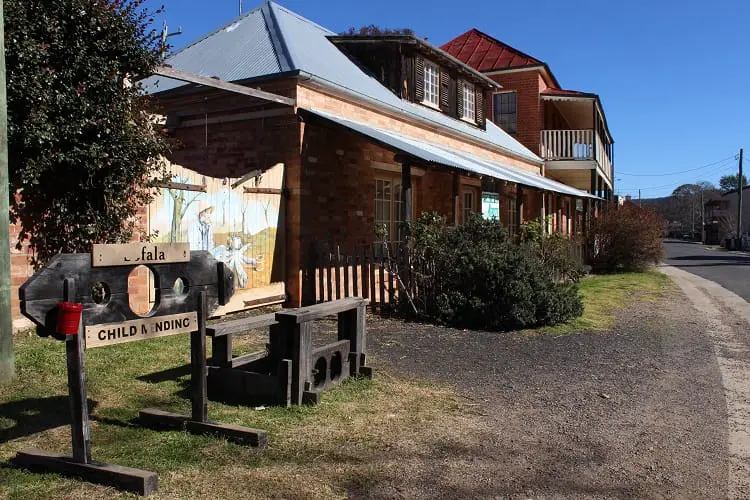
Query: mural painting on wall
x,y
238,227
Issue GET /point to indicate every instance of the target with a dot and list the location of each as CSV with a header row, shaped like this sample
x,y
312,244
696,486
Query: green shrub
x,y
626,239
475,276
561,256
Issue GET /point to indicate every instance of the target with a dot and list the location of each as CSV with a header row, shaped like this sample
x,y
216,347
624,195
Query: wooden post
x,y
221,351
293,340
76,361
456,211
543,211
338,273
355,273
519,208
198,361
406,208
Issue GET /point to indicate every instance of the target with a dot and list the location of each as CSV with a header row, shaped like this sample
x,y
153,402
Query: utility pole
x,y
165,35
640,203
240,7
7,367
703,221
739,205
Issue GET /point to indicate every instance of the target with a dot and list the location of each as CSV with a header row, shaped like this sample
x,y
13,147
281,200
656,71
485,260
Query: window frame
x,y
464,210
429,87
395,204
495,112
469,101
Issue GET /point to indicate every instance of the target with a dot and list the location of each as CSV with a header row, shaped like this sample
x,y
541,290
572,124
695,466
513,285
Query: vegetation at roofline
x,y
82,141
627,239
373,30
478,276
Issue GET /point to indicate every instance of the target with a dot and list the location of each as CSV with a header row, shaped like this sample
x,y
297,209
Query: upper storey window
x,y
468,111
505,112
431,84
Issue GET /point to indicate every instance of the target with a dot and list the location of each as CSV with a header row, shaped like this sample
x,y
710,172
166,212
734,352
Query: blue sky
x,y
673,75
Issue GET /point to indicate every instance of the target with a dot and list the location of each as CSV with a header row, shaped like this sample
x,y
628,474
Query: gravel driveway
x,y
637,411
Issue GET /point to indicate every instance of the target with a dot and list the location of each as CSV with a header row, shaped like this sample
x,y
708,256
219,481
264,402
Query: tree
x,y
685,214
728,183
372,30
83,146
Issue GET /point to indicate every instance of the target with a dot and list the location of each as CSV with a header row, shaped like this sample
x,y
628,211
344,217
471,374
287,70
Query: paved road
x,y
729,269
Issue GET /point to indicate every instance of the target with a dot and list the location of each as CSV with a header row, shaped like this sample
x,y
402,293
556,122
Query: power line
x,y
733,157
727,168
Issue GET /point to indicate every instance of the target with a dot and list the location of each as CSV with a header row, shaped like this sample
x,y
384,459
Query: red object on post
x,y
68,317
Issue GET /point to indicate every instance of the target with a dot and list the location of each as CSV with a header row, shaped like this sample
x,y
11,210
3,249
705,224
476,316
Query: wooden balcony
x,y
577,149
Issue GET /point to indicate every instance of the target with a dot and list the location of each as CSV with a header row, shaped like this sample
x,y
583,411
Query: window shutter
x,y
419,79
460,99
479,100
452,97
445,80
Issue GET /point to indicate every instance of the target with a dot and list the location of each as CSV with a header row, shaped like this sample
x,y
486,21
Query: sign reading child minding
x,y
140,329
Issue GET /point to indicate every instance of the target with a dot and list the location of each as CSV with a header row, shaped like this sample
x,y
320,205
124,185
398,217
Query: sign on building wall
x,y
490,206
237,220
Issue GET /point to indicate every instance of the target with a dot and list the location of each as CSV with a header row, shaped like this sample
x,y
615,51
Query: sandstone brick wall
x,y
311,98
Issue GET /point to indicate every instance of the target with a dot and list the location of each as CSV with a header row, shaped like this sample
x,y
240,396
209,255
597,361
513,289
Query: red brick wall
x,y
20,269
528,85
338,195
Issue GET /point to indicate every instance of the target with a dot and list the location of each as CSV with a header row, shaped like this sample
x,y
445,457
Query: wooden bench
x,y
291,371
294,341
222,334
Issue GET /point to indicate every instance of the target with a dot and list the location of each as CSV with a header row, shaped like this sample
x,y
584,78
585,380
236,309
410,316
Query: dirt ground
x,y
638,411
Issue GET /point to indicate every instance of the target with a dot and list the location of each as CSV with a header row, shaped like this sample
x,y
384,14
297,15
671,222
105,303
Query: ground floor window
x,y
388,208
468,204
512,215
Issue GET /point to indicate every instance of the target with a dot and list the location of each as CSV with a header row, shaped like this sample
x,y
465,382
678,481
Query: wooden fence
x,y
377,272
335,272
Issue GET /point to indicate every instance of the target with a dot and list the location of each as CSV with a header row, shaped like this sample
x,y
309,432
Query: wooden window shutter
x,y
445,80
419,78
453,97
479,100
460,99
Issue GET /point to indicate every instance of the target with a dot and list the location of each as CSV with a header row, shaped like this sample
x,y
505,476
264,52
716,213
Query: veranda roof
x,y
442,156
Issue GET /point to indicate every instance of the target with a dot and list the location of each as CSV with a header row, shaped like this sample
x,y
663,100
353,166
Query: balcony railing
x,y
575,145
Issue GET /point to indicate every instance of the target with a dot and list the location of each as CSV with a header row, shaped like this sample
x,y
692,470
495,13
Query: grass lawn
x,y
604,294
314,452
362,433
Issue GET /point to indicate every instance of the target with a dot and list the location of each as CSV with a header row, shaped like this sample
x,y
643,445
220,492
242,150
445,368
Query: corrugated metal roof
x,y
438,155
238,50
272,39
484,53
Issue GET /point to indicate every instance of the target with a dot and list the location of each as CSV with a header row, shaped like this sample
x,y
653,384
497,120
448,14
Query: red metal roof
x,y
578,93
484,53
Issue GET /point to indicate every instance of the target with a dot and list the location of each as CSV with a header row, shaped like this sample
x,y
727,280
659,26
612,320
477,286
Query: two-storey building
x,y
566,128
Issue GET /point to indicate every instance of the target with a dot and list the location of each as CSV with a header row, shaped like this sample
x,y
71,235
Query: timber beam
x,y
184,76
